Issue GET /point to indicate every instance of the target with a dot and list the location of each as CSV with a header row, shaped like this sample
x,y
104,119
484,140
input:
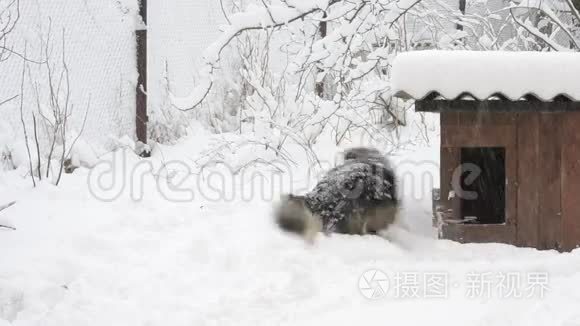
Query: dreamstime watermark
x,y
218,181
178,181
376,284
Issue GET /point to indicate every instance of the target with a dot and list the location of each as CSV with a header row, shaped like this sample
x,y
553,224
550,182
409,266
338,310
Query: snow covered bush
x,y
309,70
52,145
6,159
165,124
284,56
86,77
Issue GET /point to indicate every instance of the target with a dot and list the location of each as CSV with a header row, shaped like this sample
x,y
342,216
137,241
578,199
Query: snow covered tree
x,y
322,68
351,59
550,25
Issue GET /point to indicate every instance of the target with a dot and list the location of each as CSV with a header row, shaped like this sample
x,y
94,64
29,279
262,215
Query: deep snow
x,y
77,260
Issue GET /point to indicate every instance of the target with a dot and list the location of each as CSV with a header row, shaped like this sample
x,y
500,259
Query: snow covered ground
x,y
158,258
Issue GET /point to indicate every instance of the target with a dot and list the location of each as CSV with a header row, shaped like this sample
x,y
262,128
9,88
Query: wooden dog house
x,y
510,143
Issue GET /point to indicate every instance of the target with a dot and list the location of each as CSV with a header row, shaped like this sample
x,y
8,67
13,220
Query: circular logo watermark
x,y
373,284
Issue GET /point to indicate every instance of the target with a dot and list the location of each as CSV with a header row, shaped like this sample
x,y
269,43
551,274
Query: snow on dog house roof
x,y
455,75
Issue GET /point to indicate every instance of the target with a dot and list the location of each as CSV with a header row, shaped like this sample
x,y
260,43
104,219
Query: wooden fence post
x,y
462,7
141,105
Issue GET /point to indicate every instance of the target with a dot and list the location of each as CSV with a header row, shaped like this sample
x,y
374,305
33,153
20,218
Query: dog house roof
x,y
483,75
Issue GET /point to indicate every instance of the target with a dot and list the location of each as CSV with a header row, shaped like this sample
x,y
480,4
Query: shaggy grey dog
x,y
356,197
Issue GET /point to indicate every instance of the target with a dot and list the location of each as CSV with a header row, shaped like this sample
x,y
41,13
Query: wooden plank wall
x,y
474,233
466,129
542,168
528,179
570,180
550,171
540,150
449,160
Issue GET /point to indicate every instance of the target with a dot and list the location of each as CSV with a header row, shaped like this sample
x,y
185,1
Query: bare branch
x,y
82,129
8,100
3,207
65,115
550,14
574,11
535,32
224,12
22,120
37,146
269,12
234,32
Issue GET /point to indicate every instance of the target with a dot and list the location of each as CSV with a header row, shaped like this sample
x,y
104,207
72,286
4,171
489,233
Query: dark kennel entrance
x,y
483,181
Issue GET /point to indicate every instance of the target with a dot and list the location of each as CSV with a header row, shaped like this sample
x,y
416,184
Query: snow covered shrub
x,y
46,111
166,124
6,152
278,102
222,113
320,70
6,160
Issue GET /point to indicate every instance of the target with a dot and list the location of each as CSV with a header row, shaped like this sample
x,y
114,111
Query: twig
x,y
82,129
391,113
575,11
66,109
269,12
8,100
3,207
37,146
534,31
22,119
236,33
224,12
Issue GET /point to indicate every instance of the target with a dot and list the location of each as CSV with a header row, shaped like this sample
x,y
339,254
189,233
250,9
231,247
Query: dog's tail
x,y
293,215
